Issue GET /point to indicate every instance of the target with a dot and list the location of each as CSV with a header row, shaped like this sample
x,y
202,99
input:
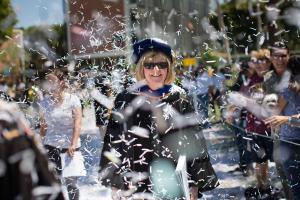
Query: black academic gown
x,y
163,143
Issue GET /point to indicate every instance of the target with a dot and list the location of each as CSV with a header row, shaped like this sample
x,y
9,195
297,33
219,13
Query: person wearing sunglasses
x,y
288,123
277,80
141,146
260,62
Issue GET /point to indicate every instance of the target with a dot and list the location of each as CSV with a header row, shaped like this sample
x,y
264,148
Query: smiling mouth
x,y
156,75
264,71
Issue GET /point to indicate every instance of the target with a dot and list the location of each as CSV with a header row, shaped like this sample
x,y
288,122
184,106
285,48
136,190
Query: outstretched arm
x,y
278,120
252,106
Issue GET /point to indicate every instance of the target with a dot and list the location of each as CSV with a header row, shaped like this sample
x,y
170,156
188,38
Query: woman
x,y
60,128
262,147
290,129
141,140
239,119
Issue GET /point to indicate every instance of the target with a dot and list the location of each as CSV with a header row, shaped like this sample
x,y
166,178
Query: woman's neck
x,y
155,86
159,92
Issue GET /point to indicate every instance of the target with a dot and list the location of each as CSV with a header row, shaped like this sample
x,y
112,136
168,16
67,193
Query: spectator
x,y
290,151
60,127
203,81
245,80
276,81
262,148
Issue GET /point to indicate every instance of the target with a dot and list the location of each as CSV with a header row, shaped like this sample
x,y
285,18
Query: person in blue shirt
x,y
290,134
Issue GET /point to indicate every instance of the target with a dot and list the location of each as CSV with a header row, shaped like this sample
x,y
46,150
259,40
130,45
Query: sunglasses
x,y
160,65
260,61
279,56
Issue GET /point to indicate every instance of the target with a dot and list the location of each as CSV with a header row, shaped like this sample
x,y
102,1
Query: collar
x,y
157,93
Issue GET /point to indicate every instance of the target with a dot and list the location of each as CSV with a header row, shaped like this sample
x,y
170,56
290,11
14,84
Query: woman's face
x,y
262,66
280,58
156,70
52,84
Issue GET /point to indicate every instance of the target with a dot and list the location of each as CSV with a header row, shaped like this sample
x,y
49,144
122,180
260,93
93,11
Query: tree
x,y
223,30
252,24
45,43
240,27
10,53
7,19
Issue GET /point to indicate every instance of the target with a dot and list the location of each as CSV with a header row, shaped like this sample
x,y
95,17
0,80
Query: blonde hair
x,y
261,53
139,70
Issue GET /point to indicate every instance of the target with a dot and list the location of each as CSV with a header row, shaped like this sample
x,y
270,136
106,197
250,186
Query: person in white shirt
x,y
60,114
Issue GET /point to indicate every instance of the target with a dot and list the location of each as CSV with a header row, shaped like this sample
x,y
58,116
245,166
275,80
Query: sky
x,y
38,12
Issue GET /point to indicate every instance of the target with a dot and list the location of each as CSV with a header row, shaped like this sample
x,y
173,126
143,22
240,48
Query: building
x,y
176,21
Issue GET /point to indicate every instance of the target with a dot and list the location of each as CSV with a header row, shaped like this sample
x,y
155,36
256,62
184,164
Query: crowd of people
x,y
151,123
267,101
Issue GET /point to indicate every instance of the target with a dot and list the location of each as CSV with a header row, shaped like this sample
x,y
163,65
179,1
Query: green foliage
x,y
52,38
290,33
7,19
60,42
208,59
240,26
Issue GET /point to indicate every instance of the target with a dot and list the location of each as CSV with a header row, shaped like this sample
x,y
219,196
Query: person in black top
x,y
152,124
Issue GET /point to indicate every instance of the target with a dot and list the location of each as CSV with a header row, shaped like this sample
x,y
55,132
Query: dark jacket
x,y
166,140
25,171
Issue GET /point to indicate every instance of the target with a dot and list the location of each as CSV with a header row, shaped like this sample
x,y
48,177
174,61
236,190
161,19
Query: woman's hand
x,y
277,120
194,193
71,150
297,116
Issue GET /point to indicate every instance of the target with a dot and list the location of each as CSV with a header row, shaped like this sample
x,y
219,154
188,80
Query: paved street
x,y
224,156
221,146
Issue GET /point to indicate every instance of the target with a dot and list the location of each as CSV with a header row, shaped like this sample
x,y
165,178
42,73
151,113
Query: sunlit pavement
x,y
224,156
221,146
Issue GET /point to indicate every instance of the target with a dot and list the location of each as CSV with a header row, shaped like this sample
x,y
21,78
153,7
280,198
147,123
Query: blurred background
x,y
93,39
37,33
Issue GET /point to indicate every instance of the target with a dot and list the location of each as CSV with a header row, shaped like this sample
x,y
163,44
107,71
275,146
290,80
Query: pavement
x,y
221,146
224,157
